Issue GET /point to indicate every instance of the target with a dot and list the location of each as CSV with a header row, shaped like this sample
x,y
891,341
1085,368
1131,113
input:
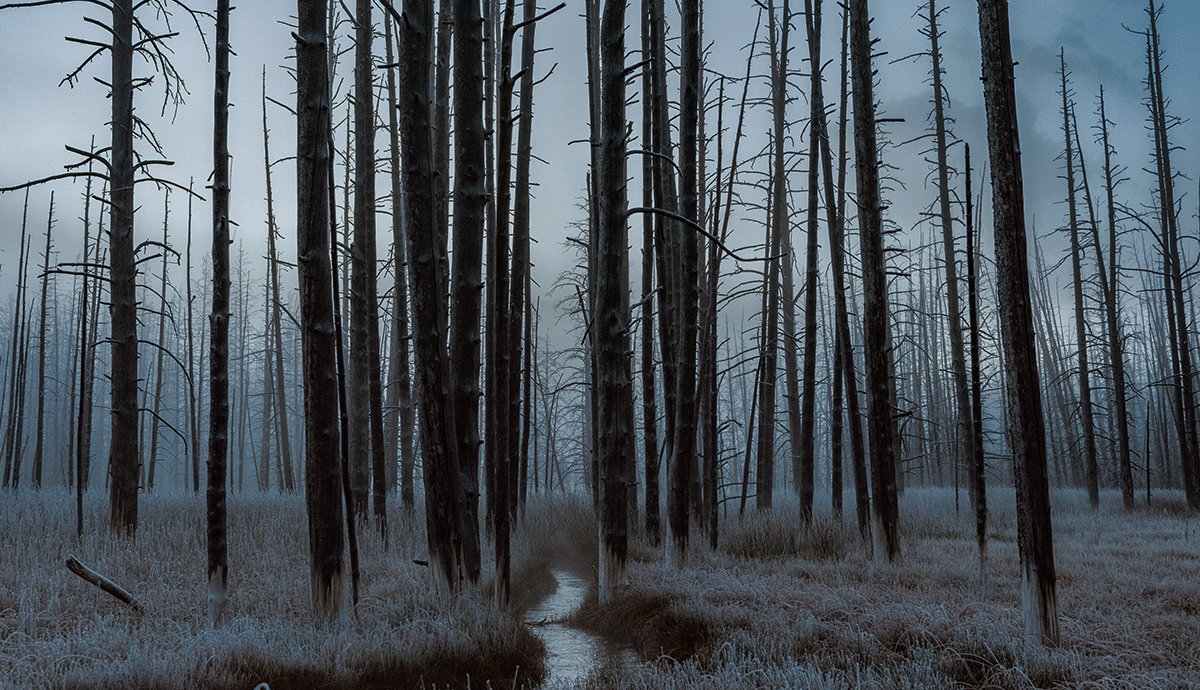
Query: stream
x,y
571,654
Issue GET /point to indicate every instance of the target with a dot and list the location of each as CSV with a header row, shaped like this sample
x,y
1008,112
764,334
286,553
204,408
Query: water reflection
x,y
572,653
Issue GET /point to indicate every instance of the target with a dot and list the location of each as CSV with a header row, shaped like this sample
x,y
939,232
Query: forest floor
x,y
779,606
774,606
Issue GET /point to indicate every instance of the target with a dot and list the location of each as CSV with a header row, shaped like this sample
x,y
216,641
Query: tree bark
x,y
444,498
39,437
470,205
400,401
1027,436
123,452
218,438
323,481
612,317
876,320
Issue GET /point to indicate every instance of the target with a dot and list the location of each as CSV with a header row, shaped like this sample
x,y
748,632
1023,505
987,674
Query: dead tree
x,y
1178,329
611,320
1027,435
1086,414
160,352
399,402
218,438
278,387
876,320
39,433
323,480
444,497
1116,340
778,32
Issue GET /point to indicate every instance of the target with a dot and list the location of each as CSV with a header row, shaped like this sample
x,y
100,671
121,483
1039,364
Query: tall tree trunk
x,y
400,384
218,438
279,389
876,322
807,439
470,205
612,316
1027,436
778,42
977,457
1181,348
364,304
682,464
444,498
835,204
16,392
650,454
39,438
966,426
323,480
83,427
1086,415
123,455
499,354
155,416
1116,343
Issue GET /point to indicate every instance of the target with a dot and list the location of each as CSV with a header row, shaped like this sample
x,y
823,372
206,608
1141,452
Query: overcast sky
x,y
38,116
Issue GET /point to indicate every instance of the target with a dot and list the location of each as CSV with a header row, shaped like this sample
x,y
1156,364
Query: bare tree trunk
x,y
1181,348
323,481
876,322
470,205
1116,351
123,452
400,385
155,418
1087,417
83,427
1027,435
499,355
778,42
966,427
649,389
364,304
192,372
977,457
611,317
444,498
276,307
681,466
807,438
218,439
39,438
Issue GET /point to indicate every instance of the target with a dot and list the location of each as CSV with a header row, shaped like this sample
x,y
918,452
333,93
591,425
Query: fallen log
x,y
103,583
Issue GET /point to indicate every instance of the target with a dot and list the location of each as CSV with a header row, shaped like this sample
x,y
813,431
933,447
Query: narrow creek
x,y
572,654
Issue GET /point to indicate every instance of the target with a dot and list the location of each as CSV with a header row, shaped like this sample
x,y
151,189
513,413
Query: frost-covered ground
x,y
58,631
774,606
778,607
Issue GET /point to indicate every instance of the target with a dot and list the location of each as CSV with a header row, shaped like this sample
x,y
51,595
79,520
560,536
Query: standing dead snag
x,y
438,437
615,379
470,210
1027,435
1087,418
876,320
322,471
123,448
218,438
